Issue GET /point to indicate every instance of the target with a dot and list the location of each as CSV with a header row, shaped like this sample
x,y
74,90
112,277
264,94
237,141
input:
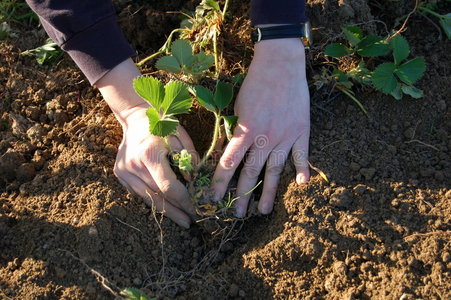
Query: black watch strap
x,y
301,30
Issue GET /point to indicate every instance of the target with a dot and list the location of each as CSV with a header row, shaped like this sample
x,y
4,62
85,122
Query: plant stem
x,y
224,10
213,142
347,93
215,52
430,12
163,48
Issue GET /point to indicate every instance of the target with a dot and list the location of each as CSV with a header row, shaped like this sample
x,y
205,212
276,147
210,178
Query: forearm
x,y
277,12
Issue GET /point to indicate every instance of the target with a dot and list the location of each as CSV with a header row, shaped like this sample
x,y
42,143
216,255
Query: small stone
x,y
93,230
137,281
409,133
242,294
36,133
368,173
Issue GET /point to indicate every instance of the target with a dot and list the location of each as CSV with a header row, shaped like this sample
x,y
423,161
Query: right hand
x,y
142,166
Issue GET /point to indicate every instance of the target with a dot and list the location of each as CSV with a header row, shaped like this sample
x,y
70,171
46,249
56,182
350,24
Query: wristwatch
x,y
302,31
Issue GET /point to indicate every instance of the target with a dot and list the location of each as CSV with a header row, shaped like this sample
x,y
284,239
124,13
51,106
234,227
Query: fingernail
x,y
265,209
184,224
300,179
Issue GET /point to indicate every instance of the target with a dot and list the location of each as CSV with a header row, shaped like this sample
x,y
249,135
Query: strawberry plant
x,y
444,20
45,54
395,77
174,98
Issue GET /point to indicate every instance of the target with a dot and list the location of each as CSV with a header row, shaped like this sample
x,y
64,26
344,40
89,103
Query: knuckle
x,y
275,169
251,172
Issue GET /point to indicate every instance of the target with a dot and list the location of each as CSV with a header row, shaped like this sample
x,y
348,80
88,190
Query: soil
x,y
380,229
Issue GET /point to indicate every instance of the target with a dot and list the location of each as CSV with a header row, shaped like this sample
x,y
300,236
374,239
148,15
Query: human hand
x,y
142,166
273,109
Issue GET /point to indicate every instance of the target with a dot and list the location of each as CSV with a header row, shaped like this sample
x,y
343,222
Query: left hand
x,y
273,109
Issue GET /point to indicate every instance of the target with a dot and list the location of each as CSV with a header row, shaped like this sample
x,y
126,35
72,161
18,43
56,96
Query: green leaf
x,y
205,98
203,61
337,50
134,294
183,52
353,33
223,95
383,78
400,48
229,124
176,99
160,126
150,89
409,72
371,46
412,91
184,160
211,3
397,93
445,22
238,79
168,64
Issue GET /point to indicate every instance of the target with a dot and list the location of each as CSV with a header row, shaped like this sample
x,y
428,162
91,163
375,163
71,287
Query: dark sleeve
x,y
277,12
87,30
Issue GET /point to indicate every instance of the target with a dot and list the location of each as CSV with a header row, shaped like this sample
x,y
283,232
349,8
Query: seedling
x,y
395,78
172,99
45,54
134,294
183,61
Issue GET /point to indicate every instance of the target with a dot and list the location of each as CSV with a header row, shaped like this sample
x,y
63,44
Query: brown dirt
x,y
379,230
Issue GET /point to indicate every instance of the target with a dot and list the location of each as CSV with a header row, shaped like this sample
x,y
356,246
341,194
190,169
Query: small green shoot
x,y
45,54
166,102
134,294
182,60
394,77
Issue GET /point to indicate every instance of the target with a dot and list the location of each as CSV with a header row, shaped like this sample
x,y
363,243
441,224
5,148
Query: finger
x,y
151,198
176,144
253,166
155,159
187,144
274,168
229,161
300,157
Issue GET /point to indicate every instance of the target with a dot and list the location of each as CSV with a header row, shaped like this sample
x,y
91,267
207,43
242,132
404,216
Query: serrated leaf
x,y
397,93
183,52
176,99
168,64
445,22
223,95
229,123
203,61
409,72
412,91
383,78
150,89
337,50
205,98
400,48
371,46
160,126
211,3
353,33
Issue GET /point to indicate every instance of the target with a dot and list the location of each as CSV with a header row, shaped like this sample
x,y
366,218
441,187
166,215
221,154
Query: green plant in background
x,y
395,78
45,54
444,20
202,27
134,294
6,31
182,60
15,11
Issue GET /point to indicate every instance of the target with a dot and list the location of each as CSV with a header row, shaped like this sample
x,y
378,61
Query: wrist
x,y
116,88
290,50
